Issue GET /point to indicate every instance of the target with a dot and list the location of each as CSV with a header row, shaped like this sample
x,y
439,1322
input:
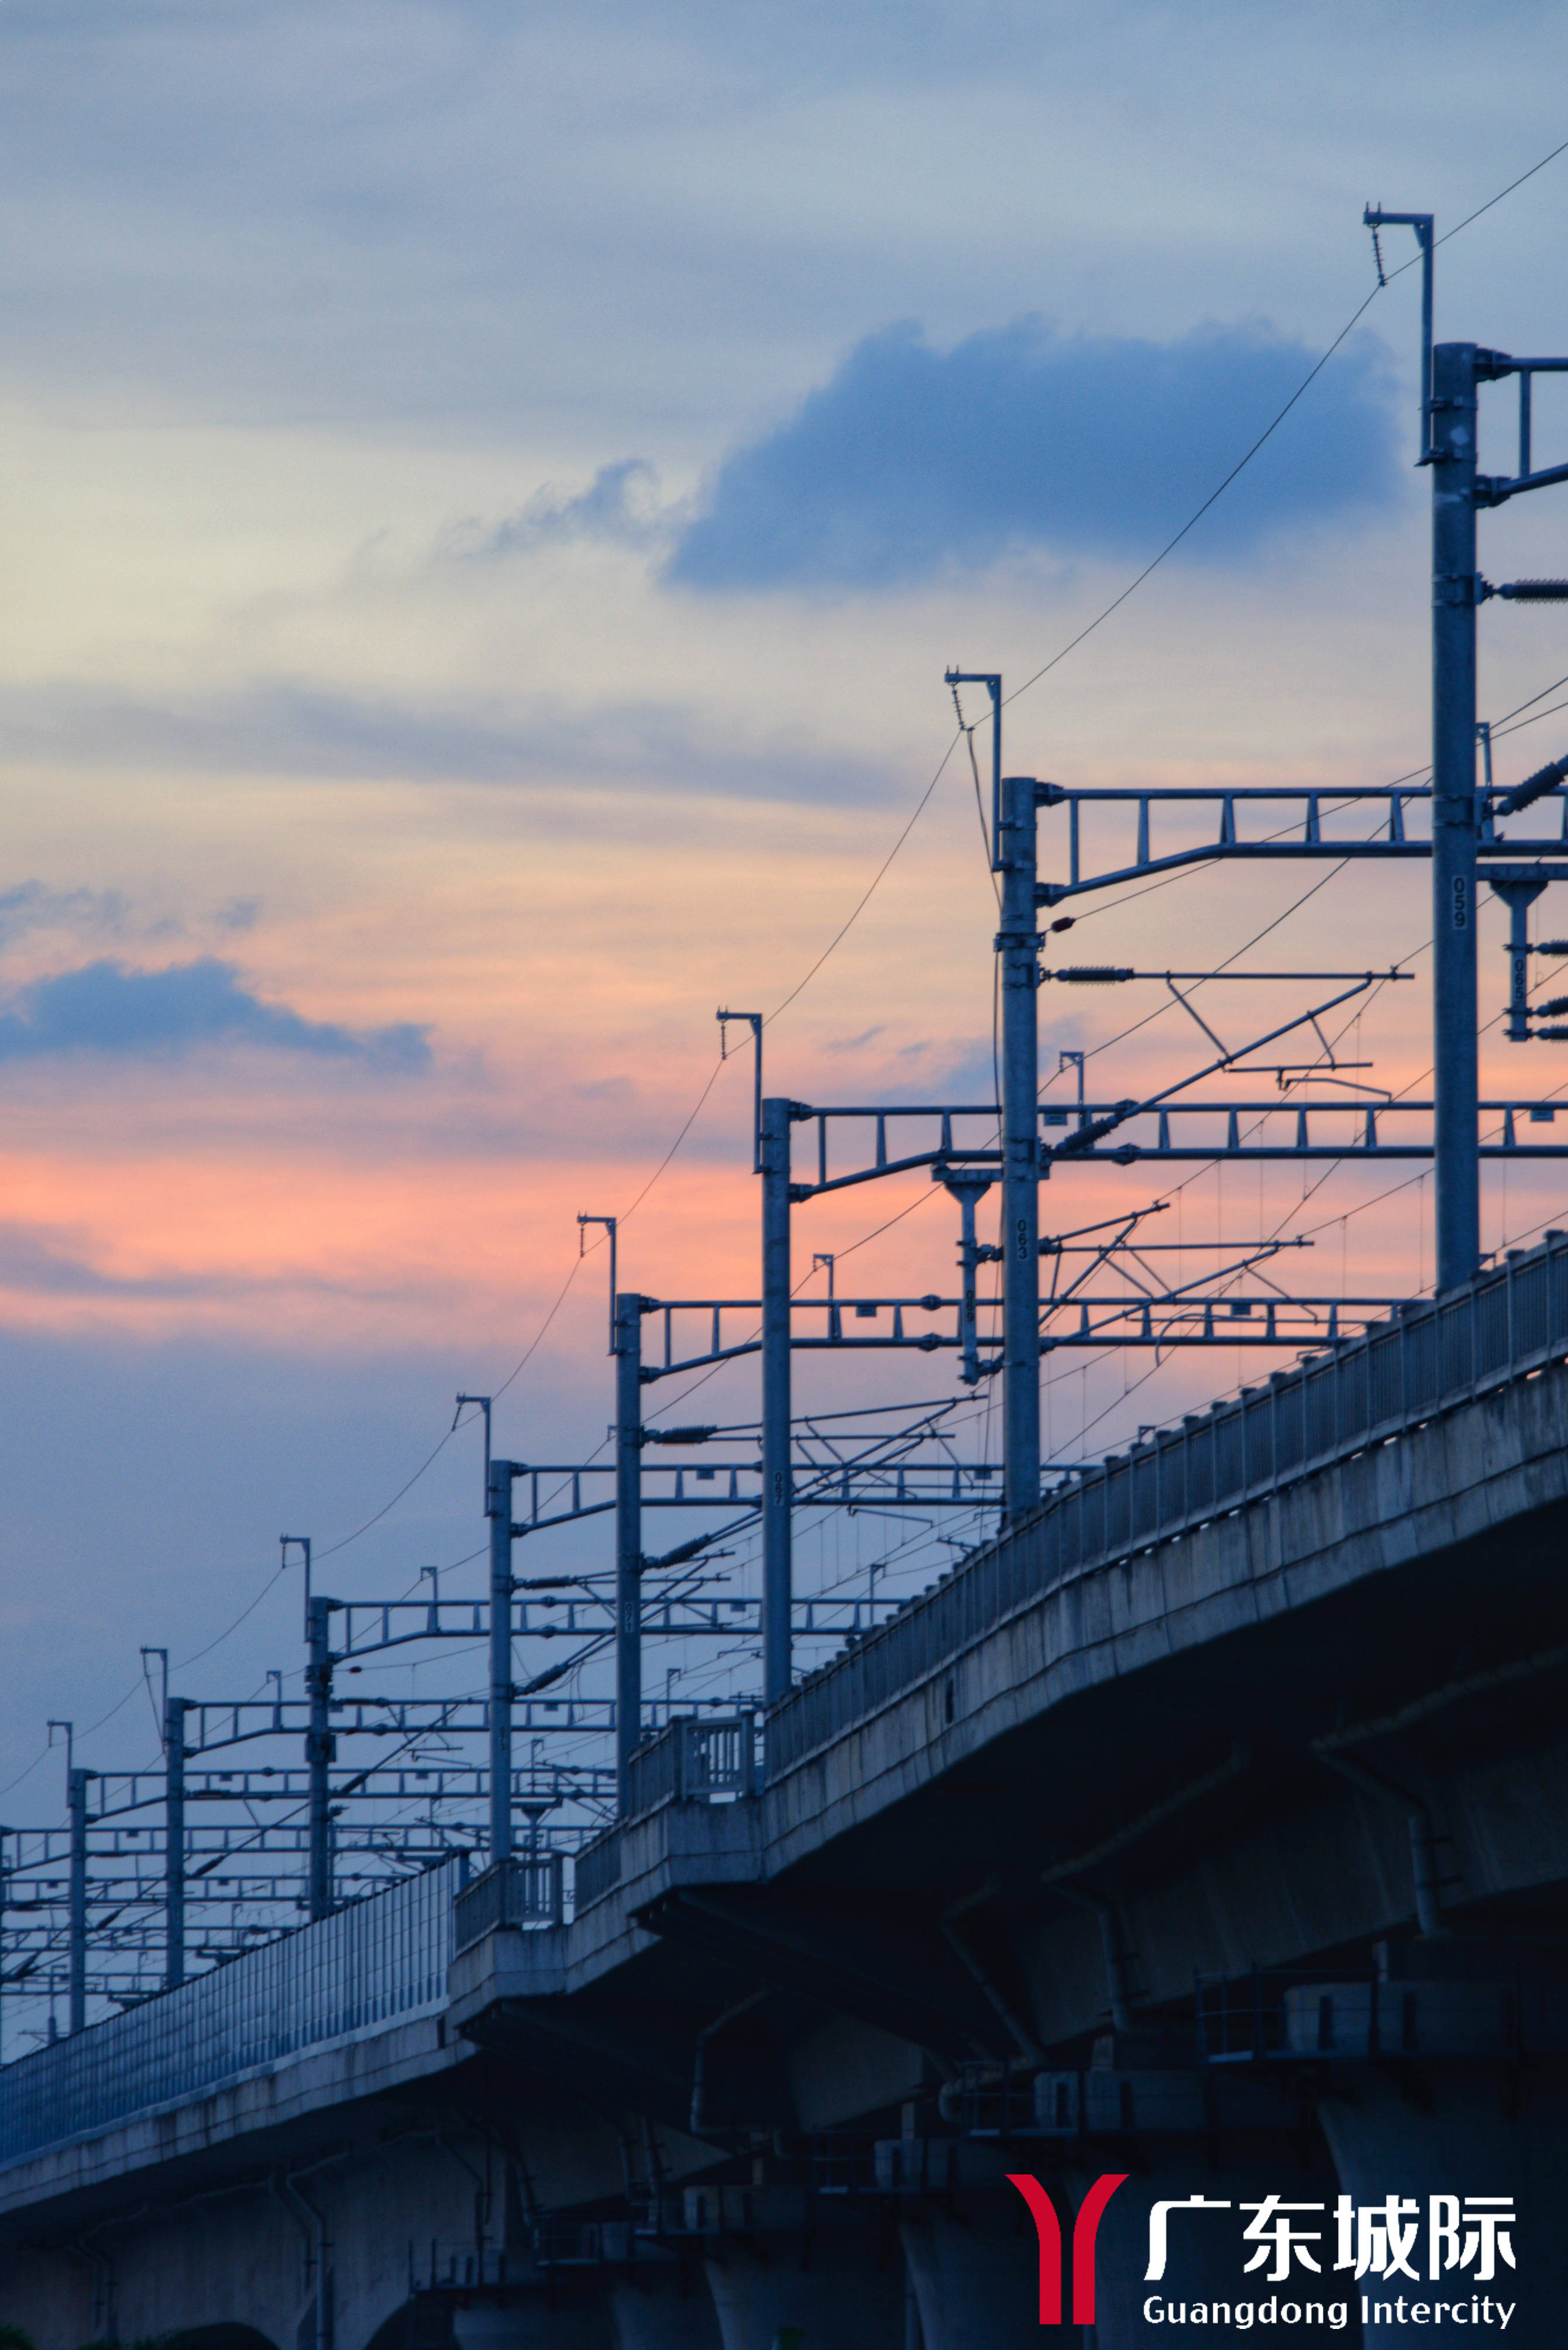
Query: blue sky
x,y
489,498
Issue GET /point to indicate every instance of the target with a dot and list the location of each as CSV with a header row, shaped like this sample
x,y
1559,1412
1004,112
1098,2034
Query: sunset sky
x,y
490,496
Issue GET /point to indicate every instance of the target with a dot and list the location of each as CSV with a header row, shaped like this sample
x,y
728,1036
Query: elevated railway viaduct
x,y
1207,1831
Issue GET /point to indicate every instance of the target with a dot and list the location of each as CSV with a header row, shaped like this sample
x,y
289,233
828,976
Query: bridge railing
x,y
527,1890
1434,1354
703,1758
372,1963
694,1759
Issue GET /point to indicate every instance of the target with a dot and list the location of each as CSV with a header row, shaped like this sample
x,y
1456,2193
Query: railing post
x,y
1017,944
175,1711
498,1509
320,1749
1455,1058
627,1540
777,1469
76,1957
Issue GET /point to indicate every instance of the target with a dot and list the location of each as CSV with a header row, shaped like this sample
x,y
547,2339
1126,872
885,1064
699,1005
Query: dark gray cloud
x,y
108,1009
911,460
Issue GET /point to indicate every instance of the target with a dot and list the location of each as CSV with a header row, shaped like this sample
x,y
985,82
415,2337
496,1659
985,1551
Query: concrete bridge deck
x,y
1209,1828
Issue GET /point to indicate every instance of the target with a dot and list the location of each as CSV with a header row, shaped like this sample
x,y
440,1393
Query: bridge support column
x,y
1463,2128
572,2323
784,2275
666,2307
974,2273
834,2291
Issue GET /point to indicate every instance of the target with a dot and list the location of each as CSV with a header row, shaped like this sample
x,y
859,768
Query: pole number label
x,y
1461,902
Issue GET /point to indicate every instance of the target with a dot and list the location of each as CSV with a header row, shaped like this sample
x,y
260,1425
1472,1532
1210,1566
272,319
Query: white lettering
x,y
1153,2310
1505,2310
1478,2238
1278,2237
1384,2232
1158,2228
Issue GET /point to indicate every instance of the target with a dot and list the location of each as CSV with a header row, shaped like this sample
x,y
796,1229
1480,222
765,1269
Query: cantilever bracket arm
x,y
1494,489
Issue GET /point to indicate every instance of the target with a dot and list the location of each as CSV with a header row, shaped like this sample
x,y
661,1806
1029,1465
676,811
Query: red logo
x,y
1048,2227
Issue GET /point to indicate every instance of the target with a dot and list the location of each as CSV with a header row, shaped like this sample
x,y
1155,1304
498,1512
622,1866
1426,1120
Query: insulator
x,y
1063,921
1548,1035
1092,974
1536,591
1552,947
1534,788
1553,1008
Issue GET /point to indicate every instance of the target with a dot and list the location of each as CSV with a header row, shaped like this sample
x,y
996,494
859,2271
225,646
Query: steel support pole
x,y
498,1509
969,1191
174,1709
1455,1059
778,1471
75,1929
320,1747
628,1538
1517,897
1017,944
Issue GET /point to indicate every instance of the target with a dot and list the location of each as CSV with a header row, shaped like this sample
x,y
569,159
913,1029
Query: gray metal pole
x,y
777,1472
498,1508
1455,1062
174,1709
1017,944
628,1538
76,1807
320,1747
